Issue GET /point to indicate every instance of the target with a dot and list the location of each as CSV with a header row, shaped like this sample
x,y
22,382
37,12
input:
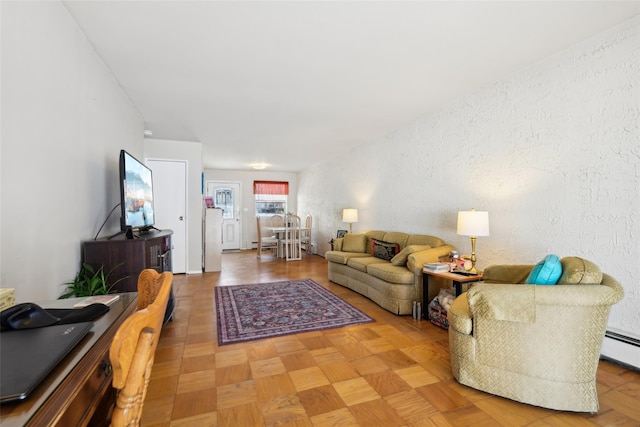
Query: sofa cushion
x,y
362,262
340,257
579,271
384,250
391,273
354,243
396,237
546,272
403,255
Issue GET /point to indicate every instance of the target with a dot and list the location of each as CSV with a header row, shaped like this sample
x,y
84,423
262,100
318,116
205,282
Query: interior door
x,y
170,205
226,195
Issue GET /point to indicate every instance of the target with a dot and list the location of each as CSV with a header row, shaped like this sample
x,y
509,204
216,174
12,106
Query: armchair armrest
x,y
506,273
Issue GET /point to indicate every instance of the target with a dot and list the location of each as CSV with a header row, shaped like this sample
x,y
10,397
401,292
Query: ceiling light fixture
x,y
259,166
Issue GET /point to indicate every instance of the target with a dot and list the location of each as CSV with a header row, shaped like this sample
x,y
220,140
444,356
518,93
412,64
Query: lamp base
x,y
473,255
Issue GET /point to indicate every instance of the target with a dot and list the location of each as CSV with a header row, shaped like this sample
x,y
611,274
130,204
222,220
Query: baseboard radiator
x,y
620,347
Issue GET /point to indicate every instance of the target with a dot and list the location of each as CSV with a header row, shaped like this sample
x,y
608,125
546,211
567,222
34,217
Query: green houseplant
x,y
90,281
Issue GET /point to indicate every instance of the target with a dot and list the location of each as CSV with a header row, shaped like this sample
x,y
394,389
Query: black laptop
x,y
28,355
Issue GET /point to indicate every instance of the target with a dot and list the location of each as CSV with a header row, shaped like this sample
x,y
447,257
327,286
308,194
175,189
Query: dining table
x,y
280,233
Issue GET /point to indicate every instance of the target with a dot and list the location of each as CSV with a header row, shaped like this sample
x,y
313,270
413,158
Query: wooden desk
x,y
78,391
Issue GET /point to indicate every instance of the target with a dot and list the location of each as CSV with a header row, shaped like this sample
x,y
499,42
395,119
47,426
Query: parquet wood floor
x,y
394,372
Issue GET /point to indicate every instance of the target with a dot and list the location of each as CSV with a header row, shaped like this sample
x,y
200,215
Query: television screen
x,y
136,191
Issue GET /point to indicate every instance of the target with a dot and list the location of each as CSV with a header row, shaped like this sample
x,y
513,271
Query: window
x,y
271,197
223,198
271,204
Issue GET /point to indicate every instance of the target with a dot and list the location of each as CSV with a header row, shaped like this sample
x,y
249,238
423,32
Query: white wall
x,y
246,178
191,152
64,121
552,152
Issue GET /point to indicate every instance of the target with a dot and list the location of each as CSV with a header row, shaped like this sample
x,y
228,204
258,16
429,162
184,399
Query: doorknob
x,y
181,218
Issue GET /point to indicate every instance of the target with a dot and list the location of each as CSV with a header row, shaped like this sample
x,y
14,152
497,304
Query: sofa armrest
x,y
416,260
337,244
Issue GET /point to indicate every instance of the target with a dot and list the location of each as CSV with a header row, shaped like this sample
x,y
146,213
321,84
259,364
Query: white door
x,y
170,205
226,195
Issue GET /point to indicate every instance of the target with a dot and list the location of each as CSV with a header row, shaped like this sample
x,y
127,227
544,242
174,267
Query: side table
x,y
457,279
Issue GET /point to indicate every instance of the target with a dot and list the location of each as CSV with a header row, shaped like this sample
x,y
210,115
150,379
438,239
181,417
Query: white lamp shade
x,y
350,215
473,223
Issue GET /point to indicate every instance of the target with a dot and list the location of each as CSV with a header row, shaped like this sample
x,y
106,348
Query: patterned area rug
x,y
251,312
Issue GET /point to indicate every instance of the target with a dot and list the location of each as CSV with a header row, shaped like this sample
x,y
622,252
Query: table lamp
x,y
350,216
473,223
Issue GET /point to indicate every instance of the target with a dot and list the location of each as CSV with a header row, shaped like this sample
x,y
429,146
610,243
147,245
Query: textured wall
x,y
552,152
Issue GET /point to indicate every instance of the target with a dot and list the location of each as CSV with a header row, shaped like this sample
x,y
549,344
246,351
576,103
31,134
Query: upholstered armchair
x,y
531,343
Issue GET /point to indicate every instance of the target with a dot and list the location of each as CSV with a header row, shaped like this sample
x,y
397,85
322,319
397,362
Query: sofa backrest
x,y
402,239
421,239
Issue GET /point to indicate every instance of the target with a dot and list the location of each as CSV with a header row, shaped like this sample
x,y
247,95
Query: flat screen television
x,y
136,195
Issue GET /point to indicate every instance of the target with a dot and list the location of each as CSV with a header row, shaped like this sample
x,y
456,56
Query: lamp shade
x,y
350,215
473,223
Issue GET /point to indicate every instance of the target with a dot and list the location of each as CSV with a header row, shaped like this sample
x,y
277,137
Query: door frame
x,y
240,204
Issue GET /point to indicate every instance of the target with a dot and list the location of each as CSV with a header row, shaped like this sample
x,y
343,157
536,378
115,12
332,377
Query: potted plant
x,y
90,281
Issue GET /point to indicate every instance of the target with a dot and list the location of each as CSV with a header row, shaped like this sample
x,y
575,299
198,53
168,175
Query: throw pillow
x,y
384,250
546,272
403,255
579,271
354,243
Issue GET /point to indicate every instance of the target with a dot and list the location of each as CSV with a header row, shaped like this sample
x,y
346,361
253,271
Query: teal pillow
x,y
546,272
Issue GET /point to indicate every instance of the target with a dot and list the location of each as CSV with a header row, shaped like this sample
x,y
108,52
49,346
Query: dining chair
x,y
134,345
266,239
305,239
276,221
292,245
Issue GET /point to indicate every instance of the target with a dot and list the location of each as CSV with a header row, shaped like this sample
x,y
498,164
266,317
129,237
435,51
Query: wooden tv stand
x,y
78,391
128,257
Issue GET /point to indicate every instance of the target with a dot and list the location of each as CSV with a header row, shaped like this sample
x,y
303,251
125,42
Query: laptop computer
x,y
28,355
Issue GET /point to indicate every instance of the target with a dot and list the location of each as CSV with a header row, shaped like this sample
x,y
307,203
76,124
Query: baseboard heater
x,y
621,348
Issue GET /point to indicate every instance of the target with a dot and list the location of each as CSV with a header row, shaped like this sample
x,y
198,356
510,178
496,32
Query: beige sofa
x,y
531,343
392,284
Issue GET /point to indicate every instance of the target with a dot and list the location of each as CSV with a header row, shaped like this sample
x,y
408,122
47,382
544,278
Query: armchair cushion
x,y
546,272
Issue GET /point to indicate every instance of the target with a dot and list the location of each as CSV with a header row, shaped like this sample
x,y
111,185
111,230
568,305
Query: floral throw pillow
x,y
384,250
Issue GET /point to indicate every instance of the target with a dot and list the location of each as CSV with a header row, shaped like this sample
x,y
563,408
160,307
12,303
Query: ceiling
x,y
293,83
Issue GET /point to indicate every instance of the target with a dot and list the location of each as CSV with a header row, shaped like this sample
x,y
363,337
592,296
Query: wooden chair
x,y
276,221
293,250
305,239
266,240
134,344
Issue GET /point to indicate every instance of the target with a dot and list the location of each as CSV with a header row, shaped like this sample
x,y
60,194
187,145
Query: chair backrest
x,y
277,221
134,344
261,223
307,222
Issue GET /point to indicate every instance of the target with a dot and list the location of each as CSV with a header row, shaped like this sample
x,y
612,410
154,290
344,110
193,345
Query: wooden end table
x,y
457,279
